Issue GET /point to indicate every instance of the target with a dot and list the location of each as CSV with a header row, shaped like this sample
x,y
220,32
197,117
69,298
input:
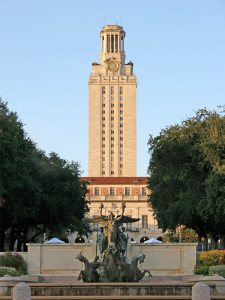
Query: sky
x,y
47,48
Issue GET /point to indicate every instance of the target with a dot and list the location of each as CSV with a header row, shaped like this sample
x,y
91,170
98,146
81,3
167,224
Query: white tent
x,y
54,241
152,240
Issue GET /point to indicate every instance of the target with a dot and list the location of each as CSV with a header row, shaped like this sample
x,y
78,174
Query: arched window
x,y
143,239
79,239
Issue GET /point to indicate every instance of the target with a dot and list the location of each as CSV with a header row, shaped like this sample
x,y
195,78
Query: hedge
x,y
217,270
8,271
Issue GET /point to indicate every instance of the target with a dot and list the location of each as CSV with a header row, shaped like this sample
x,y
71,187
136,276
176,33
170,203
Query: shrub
x,y
217,270
12,260
202,270
208,259
212,258
8,271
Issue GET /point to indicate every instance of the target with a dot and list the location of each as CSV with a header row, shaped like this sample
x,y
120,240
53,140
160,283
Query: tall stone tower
x,y
112,109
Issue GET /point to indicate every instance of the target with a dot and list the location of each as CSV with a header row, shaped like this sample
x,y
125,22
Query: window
x,y
103,124
112,172
121,104
121,158
112,191
112,104
103,131
121,166
112,118
95,226
127,191
121,118
103,112
103,118
121,90
112,145
112,166
103,90
145,221
144,191
121,138
112,151
129,225
103,172
112,138
112,124
112,98
112,131
121,145
103,138
121,151
121,124
103,104
121,131
112,112
112,90
121,172
103,145
112,158
121,98
103,98
121,112
103,151
103,166
103,158
96,191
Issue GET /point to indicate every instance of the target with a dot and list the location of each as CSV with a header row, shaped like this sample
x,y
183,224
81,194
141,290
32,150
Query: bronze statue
x,y
89,274
112,229
112,242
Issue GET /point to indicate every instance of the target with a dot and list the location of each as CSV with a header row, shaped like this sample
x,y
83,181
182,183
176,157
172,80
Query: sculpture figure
x,y
134,272
112,242
89,274
112,230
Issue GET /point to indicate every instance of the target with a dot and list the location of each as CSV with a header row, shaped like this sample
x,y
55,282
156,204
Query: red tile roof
x,y
116,180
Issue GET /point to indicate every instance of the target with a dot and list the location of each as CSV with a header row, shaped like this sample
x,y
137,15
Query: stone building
x,y
112,138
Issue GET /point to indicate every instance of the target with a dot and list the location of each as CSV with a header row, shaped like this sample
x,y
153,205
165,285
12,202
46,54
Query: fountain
x,y
113,265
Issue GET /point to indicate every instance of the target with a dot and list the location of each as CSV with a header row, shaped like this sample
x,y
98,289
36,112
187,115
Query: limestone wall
x,y
161,259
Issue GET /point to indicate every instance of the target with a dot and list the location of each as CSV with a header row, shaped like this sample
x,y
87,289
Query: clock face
x,y
112,66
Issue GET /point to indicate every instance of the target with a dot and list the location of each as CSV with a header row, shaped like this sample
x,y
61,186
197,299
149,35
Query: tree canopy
x,y
187,172
42,193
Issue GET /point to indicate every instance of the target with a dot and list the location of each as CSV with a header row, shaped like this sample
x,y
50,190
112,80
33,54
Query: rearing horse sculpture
x,y
89,274
135,273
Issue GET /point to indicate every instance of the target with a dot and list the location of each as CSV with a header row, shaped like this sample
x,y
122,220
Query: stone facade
x,y
133,191
112,109
161,259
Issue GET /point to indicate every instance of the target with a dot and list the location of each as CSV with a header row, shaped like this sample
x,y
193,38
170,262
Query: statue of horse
x,y
89,274
111,265
135,273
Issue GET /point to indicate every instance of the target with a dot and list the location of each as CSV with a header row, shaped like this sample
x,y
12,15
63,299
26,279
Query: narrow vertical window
x,y
145,221
116,43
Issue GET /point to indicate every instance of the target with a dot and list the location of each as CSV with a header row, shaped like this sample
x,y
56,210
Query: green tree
x,y
183,158
42,193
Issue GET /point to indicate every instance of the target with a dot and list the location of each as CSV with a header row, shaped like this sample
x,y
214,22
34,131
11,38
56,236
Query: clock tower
x,y
112,109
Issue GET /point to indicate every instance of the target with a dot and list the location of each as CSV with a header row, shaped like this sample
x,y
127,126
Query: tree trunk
x,y
2,239
199,246
19,243
222,242
205,244
12,239
214,242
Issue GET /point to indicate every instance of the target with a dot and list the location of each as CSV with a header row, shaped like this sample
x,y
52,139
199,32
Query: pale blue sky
x,y
46,51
